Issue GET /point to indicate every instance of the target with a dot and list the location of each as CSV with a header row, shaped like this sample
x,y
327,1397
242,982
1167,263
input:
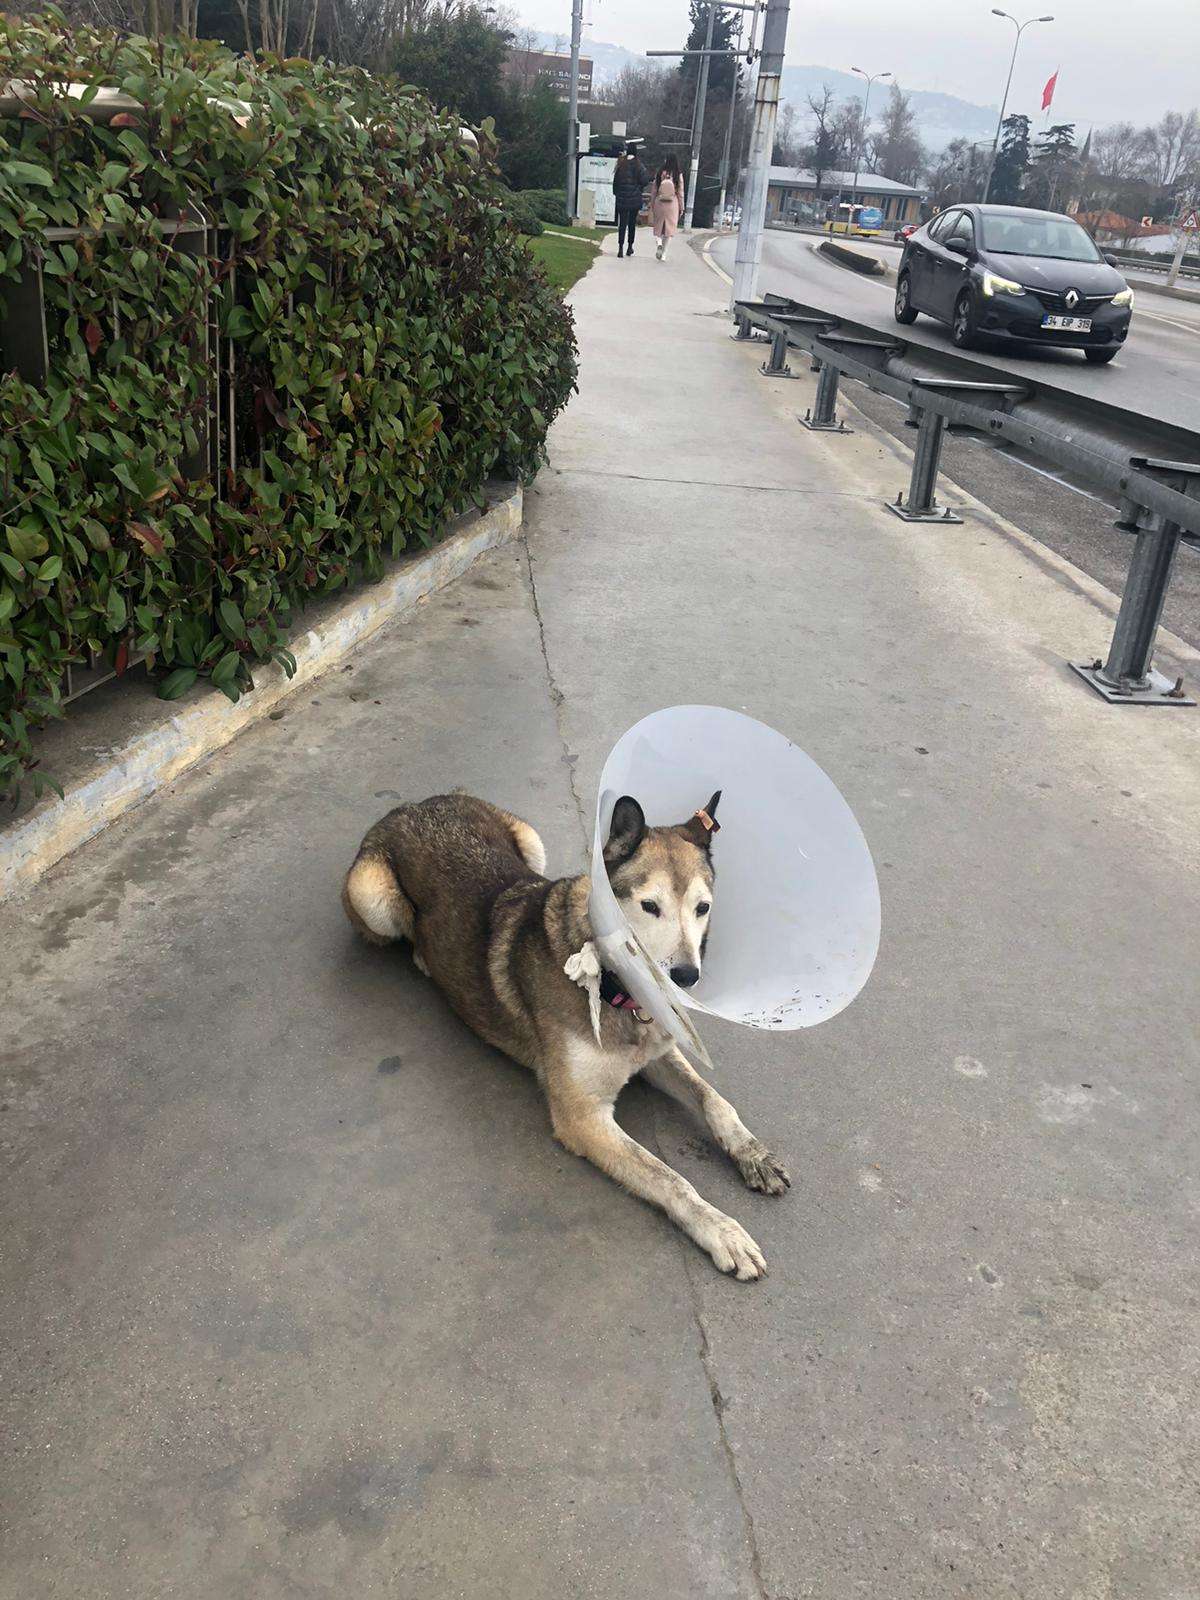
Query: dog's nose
x,y
685,977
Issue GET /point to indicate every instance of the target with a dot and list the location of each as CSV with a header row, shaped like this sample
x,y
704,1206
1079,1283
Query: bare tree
x,y
823,153
1172,148
788,149
896,148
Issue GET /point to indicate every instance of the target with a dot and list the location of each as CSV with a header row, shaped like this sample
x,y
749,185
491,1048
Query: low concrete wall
x,y
854,259
159,740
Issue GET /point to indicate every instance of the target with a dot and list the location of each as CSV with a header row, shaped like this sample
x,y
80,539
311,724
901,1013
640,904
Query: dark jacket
x,y
629,182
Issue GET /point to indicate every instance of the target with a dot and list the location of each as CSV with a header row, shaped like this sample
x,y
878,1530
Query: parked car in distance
x,y
905,231
1028,277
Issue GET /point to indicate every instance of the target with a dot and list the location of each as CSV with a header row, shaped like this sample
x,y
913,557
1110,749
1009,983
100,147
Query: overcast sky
x,y
1120,59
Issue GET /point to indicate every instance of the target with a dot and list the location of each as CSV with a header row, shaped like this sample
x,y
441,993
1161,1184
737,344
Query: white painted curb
x,y
125,776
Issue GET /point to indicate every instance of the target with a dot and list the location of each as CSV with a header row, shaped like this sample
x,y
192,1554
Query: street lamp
x,y
862,134
1020,27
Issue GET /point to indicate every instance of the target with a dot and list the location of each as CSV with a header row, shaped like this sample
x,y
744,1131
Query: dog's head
x,y
663,881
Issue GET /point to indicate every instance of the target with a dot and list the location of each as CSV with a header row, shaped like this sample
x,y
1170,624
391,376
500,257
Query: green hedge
x,y
550,205
522,215
393,347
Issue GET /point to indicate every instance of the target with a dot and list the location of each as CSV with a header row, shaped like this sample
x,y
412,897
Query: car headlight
x,y
1123,297
992,284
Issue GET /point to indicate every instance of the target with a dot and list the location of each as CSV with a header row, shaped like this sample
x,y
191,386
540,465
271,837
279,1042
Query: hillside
x,y
940,117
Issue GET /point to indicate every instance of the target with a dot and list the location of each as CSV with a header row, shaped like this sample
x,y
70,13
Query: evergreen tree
x,y
1054,168
1012,162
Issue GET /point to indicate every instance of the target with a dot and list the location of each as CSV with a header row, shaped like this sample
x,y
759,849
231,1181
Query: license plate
x,y
1069,324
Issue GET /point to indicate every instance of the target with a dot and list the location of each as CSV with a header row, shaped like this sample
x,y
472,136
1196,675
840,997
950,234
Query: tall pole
x,y
762,140
1020,27
862,132
573,111
733,105
698,119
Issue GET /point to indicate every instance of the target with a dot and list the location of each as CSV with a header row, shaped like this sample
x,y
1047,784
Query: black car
x,y
1000,272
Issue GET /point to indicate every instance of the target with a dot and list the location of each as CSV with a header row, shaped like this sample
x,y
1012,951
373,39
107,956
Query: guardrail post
x,y
821,417
742,329
1127,677
921,505
777,366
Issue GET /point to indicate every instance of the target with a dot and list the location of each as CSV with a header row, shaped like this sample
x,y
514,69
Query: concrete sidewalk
x,y
301,1298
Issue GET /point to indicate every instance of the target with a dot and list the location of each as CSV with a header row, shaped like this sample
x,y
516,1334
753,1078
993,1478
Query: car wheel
x,y
903,311
962,329
1099,358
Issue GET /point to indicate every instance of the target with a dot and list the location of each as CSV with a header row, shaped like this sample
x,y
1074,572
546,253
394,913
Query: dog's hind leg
x,y
375,903
587,1127
675,1075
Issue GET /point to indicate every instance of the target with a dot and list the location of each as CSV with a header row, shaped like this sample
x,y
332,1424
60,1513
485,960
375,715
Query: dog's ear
x,y
699,829
626,832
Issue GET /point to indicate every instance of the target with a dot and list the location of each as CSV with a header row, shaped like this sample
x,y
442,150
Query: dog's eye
x,y
703,908
651,906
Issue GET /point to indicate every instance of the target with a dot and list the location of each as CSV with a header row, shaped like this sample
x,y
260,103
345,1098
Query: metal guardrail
x,y
1152,467
1130,258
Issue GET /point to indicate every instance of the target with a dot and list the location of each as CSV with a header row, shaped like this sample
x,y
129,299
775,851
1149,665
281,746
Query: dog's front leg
x,y
675,1075
587,1127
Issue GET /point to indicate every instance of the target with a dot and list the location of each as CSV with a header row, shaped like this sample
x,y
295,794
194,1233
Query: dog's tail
x,y
374,901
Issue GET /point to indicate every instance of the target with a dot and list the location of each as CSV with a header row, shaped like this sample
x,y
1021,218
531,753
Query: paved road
x,y
1158,372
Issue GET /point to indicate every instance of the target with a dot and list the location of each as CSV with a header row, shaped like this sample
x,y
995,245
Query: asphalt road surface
x,y
1158,373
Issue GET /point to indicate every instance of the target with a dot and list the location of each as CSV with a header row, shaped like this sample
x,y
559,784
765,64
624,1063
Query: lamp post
x,y
698,105
1020,27
862,133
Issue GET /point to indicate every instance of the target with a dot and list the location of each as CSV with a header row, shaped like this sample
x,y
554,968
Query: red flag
x,y
1048,91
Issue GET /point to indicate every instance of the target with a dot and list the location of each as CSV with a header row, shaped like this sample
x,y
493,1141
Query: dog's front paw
x,y
730,1246
760,1169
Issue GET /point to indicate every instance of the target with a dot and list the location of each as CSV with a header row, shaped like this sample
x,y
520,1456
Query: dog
x,y
464,882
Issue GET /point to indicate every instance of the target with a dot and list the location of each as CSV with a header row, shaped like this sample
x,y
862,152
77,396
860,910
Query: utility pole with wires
x,y
698,105
762,140
705,55
733,107
573,112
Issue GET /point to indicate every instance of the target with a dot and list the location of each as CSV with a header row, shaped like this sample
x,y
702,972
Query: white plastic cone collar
x,y
795,921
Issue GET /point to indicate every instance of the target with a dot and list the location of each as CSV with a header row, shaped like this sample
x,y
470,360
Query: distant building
x,y
1110,227
527,67
792,195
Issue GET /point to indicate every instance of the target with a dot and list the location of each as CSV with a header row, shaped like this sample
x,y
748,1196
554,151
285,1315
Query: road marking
x,y
720,271
1156,316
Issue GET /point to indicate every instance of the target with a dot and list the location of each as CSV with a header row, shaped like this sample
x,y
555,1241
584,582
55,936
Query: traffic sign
x,y
1191,223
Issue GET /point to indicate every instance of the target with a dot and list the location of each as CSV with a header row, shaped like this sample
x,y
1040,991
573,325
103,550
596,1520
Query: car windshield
x,y
1056,237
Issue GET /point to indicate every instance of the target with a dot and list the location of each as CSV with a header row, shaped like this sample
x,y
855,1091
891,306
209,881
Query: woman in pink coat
x,y
666,205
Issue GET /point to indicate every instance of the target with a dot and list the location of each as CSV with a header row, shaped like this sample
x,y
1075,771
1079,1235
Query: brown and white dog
x,y
463,880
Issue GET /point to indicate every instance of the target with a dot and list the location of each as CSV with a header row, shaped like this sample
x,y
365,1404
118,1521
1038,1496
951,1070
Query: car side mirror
x,y
1111,259
960,247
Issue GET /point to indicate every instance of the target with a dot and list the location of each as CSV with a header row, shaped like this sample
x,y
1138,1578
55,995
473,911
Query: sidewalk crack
x,y
557,698
688,1258
718,1405
721,483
